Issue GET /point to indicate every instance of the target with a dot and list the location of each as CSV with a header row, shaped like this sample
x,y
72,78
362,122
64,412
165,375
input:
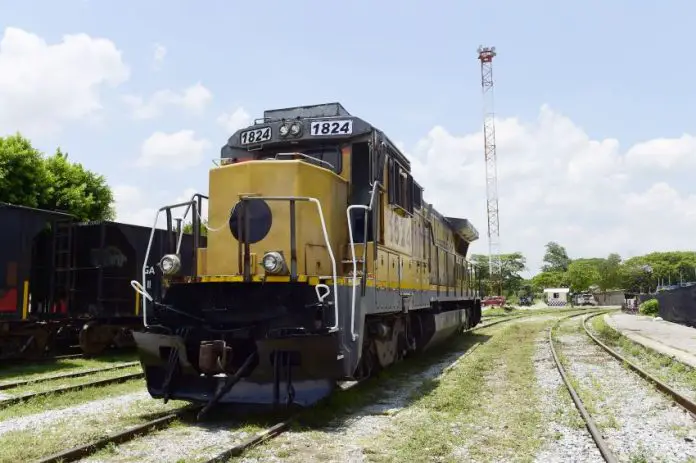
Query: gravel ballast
x,y
566,438
70,414
637,422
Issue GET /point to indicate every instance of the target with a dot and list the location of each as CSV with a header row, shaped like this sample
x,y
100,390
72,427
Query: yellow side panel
x,y
397,231
394,271
382,272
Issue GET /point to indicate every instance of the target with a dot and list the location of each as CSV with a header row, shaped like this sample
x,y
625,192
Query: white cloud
x,y
44,86
555,183
664,153
194,99
234,121
136,206
132,207
159,53
177,151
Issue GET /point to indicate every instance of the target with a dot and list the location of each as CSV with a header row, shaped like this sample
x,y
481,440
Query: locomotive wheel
x,y
95,337
389,350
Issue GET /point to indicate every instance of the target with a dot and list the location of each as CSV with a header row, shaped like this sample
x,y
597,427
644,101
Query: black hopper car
x,y
64,282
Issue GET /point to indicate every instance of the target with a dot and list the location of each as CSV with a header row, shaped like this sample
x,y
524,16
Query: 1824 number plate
x,y
324,128
255,135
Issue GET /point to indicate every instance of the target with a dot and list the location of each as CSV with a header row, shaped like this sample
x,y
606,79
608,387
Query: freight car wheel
x,y
95,337
40,336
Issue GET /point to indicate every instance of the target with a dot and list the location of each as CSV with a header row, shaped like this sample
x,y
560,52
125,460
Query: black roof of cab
x,y
268,129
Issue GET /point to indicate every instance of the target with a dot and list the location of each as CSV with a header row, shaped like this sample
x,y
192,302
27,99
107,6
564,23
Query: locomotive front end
x,y
259,321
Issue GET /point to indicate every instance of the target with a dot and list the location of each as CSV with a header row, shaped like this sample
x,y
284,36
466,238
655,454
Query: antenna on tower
x,y
486,55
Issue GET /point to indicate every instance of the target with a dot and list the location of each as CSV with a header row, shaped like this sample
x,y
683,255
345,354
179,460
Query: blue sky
x,y
615,69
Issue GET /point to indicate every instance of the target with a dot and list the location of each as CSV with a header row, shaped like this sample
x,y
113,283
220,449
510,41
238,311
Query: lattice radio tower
x,y
486,55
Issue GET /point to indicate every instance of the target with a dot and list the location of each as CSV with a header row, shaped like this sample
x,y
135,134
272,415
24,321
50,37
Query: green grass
x,y
66,382
496,386
499,311
10,373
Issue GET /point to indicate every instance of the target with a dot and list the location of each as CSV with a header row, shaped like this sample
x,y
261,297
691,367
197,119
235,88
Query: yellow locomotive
x,y
322,263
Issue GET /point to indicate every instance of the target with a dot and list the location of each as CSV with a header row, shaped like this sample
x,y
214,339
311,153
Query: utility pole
x,y
486,55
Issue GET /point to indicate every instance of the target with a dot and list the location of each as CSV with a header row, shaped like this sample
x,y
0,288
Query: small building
x,y
556,297
610,297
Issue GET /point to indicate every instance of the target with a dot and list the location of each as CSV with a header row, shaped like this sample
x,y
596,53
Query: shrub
x,y
650,307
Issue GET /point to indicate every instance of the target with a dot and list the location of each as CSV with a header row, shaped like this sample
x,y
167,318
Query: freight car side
x,y
63,282
105,257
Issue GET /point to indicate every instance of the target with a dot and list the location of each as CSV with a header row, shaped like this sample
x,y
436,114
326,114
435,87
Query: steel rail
x,y
685,403
75,374
602,445
86,450
101,382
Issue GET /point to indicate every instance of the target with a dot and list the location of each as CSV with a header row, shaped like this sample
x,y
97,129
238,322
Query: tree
x,y
511,267
549,279
27,178
188,228
24,179
646,272
556,258
81,192
582,275
610,272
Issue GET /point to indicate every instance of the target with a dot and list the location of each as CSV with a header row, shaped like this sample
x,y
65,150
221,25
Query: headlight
x,y
170,264
284,130
273,262
295,128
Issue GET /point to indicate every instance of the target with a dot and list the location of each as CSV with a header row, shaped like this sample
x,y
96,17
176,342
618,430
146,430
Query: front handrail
x,y
367,209
140,287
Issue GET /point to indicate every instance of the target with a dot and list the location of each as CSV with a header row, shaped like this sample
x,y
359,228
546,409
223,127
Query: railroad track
x,y
102,382
86,450
76,374
591,425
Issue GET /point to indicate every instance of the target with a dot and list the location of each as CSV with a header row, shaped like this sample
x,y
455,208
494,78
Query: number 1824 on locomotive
x,y
337,127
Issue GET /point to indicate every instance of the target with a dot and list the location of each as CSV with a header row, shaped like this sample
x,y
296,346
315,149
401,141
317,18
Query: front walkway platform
x,y
672,339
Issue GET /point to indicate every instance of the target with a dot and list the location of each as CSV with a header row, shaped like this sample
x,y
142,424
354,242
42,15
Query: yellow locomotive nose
x,y
271,222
